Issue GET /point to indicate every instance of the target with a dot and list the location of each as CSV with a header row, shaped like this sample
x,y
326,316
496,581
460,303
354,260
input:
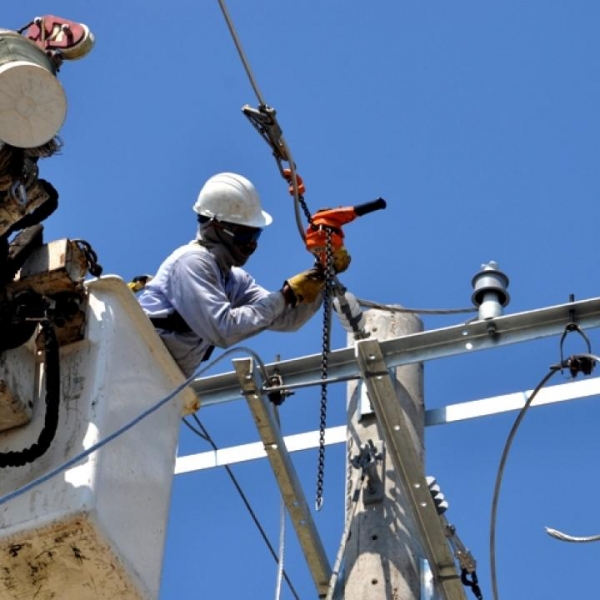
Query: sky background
x,y
477,122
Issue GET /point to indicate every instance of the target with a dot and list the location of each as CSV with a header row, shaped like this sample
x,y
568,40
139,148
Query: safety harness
x,y
173,322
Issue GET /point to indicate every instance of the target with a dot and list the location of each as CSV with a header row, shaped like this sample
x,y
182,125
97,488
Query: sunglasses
x,y
241,234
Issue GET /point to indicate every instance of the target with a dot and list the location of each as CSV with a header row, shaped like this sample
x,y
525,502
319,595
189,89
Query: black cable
x,y
578,363
421,311
196,431
203,433
52,382
553,370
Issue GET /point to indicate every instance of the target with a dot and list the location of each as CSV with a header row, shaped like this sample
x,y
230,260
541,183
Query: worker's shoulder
x,y
192,254
191,249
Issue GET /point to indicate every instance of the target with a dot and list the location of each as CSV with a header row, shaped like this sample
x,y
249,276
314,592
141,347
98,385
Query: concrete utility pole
x,y
396,546
384,550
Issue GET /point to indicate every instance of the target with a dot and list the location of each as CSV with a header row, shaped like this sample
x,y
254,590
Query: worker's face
x,y
244,238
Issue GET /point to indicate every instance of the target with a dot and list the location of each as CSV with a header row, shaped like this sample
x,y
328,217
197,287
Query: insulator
x,y
441,504
489,291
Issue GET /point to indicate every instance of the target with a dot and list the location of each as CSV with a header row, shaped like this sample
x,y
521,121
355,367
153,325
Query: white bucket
x,y
97,530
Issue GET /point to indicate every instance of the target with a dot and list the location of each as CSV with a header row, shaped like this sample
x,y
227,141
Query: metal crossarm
x,y
408,466
283,469
418,347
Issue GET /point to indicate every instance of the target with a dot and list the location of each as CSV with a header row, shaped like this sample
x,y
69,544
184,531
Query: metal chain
x,y
307,214
91,257
324,356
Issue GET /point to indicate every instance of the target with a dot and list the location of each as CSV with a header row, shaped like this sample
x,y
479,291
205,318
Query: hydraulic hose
x,y
52,382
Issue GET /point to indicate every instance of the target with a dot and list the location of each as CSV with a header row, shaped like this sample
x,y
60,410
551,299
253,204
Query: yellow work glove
x,y
304,287
138,283
341,260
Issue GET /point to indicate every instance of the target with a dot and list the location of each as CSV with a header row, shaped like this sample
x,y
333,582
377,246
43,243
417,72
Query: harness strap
x,y
172,322
175,322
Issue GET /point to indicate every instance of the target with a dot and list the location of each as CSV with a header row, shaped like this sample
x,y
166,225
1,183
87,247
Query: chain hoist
x,y
326,342
323,237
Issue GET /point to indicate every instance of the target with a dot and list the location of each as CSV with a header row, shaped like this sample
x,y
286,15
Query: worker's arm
x,y
198,291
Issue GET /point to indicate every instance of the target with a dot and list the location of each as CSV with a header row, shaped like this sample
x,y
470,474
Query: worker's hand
x,y
341,260
138,283
304,287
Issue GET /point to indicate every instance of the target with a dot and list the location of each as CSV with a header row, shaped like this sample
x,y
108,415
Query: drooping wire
x,y
565,537
204,434
574,363
419,311
553,370
143,415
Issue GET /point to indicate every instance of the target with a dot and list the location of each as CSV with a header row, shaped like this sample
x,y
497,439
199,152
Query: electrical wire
x,y
565,537
204,434
574,360
422,311
553,370
555,533
79,457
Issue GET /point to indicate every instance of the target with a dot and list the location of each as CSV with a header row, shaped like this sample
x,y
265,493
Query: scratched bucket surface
x,y
96,531
33,104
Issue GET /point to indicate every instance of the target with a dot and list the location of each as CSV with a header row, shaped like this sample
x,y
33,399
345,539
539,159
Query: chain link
x,y
91,257
324,356
305,210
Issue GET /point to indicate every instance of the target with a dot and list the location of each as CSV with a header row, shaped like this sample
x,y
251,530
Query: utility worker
x,y
201,297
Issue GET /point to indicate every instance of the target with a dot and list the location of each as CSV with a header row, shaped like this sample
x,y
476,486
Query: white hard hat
x,y
232,198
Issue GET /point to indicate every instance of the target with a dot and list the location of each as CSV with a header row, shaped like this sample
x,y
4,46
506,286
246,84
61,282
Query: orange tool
x,y
331,220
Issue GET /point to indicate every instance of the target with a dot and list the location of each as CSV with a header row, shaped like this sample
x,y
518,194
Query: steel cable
x,y
204,434
553,370
298,201
579,361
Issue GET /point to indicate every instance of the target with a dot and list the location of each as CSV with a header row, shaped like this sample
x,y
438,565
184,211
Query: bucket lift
x,y
97,530
88,528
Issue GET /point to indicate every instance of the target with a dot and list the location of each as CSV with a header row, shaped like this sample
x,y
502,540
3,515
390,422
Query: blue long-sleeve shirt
x,y
221,309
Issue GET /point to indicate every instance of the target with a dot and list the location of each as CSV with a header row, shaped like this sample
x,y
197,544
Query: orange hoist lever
x,y
331,220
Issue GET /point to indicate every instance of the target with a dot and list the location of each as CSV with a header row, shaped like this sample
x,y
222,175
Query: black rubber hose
x,y
52,381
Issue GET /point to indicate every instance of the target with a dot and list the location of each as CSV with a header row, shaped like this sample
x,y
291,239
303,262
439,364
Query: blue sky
x,y
476,121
